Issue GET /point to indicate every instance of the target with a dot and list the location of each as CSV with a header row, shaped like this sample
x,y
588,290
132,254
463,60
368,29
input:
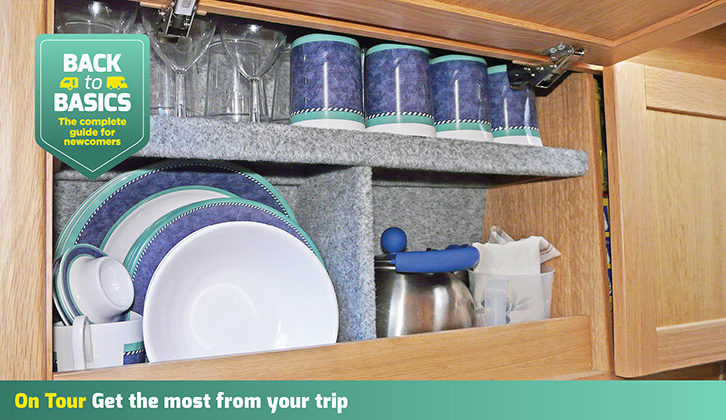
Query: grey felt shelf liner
x,y
214,139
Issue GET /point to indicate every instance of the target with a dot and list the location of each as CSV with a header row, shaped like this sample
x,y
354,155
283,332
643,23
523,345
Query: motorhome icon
x,y
116,82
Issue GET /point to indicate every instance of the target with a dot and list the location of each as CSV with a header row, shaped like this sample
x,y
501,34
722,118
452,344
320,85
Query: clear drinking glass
x,y
228,93
253,50
280,112
181,53
94,17
162,92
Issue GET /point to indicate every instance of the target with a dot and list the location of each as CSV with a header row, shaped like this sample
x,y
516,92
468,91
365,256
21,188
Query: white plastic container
x,y
511,299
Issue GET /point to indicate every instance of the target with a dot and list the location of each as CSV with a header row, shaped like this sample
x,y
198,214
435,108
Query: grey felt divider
x,y
335,209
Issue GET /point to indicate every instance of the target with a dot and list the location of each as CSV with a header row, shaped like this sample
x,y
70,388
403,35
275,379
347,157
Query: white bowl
x,y
238,287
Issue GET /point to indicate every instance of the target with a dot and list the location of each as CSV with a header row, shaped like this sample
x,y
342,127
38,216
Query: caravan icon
x,y
116,82
69,83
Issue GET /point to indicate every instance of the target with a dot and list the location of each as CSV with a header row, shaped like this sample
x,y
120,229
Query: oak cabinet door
x,y
666,150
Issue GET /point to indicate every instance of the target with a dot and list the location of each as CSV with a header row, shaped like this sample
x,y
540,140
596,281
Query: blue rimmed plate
x,y
95,218
127,229
158,240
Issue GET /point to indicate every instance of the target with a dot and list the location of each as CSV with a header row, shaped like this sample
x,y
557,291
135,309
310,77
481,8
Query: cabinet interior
x,y
345,205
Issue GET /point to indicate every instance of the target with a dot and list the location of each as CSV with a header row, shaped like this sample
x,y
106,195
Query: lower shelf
x,y
553,349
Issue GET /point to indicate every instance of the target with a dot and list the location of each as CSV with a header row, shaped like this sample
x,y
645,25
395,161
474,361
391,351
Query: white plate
x,y
238,287
134,222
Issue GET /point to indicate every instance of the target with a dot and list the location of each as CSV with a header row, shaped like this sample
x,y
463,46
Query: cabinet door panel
x,y
688,226
667,180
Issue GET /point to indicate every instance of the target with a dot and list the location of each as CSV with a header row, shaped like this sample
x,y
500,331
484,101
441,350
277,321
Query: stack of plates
x,y
218,261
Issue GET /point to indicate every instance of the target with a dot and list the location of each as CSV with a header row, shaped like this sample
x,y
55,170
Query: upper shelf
x,y
214,139
610,30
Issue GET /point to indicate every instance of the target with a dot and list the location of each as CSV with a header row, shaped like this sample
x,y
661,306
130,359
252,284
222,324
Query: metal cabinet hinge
x,y
545,75
175,20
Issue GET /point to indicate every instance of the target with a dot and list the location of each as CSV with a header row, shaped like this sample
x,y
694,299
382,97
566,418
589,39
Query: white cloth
x,y
518,257
520,262
547,251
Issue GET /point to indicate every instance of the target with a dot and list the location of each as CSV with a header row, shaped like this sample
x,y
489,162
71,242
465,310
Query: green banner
x,y
364,400
92,98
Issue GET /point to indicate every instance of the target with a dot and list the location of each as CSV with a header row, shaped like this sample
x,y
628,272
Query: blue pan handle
x,y
453,258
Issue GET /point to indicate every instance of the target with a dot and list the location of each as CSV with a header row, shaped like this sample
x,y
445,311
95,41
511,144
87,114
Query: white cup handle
x,y
81,328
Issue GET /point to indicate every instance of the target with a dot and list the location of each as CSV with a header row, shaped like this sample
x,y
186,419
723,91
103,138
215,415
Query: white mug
x,y
87,346
101,286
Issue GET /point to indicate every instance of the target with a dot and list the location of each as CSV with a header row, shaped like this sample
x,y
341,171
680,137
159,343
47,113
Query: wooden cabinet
x,y
667,178
579,343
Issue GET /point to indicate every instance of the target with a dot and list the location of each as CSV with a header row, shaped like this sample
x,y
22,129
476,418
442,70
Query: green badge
x,y
92,98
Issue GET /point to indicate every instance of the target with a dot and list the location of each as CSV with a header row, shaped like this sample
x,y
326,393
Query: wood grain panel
x,y
609,19
634,308
366,30
669,90
667,31
667,224
538,350
434,23
687,236
703,53
483,27
706,372
22,198
437,19
567,212
691,344
300,17
52,165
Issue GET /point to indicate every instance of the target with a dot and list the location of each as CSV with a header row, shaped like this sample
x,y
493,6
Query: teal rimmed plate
x,y
99,214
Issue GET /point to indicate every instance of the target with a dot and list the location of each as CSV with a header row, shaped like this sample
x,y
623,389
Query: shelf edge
x,y
538,350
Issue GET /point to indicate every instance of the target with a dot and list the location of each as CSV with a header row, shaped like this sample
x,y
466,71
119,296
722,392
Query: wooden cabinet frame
x,y
641,346
578,345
